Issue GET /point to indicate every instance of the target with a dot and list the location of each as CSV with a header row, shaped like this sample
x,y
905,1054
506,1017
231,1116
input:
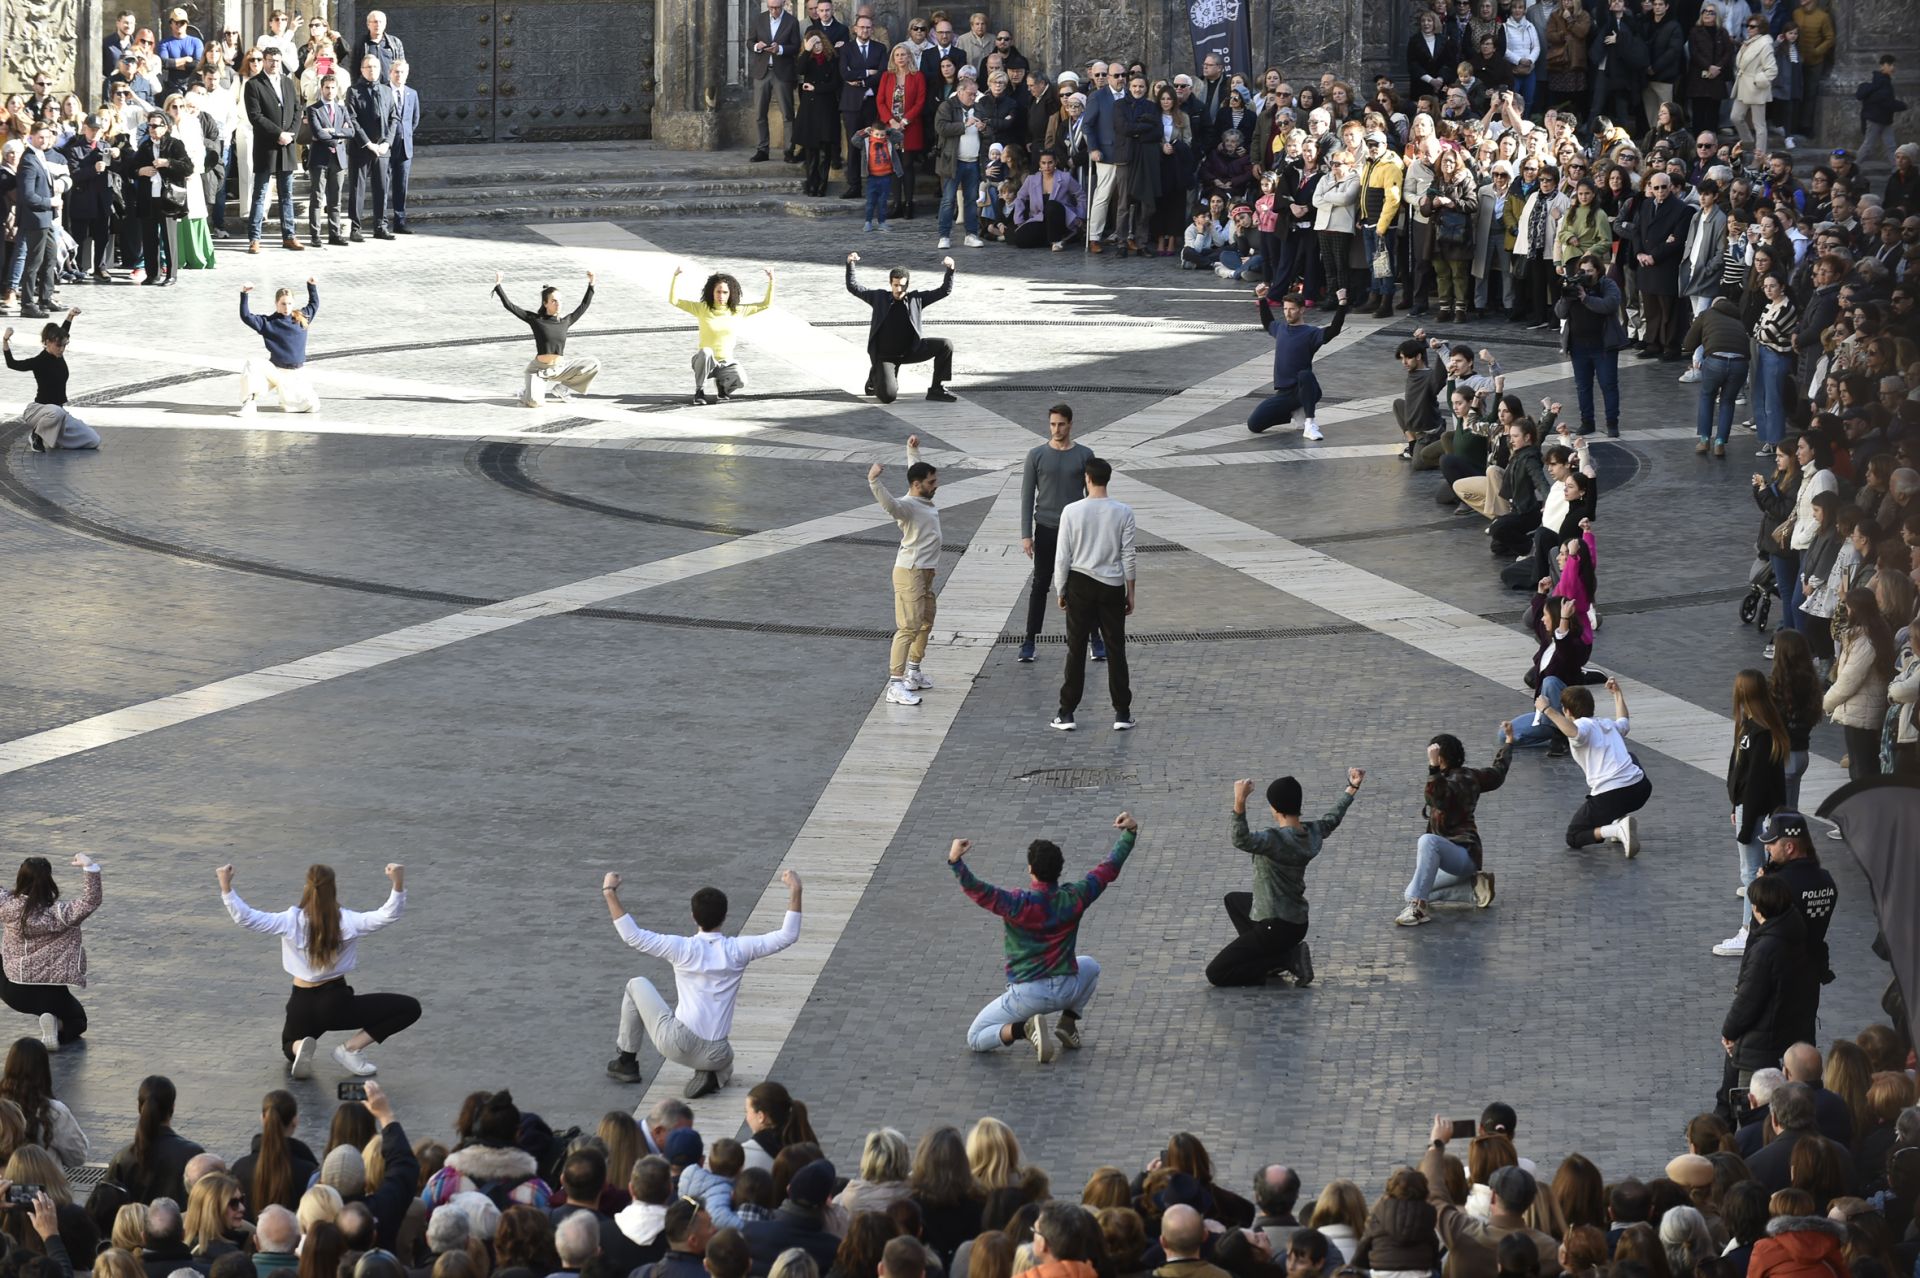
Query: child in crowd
x,y
878,151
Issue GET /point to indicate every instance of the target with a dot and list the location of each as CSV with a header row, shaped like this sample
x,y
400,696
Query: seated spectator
x,y
1399,1235
1183,1232
490,1157
1473,1246
799,1222
1049,209
1227,170
276,1237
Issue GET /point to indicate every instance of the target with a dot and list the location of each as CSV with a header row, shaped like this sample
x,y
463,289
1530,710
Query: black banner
x,y
1220,27
1880,818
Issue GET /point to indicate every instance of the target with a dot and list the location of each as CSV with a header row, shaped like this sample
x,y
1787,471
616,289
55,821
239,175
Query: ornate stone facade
x,y
40,36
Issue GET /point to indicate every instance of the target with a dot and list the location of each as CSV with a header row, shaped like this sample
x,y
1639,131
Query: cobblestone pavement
x,y
681,719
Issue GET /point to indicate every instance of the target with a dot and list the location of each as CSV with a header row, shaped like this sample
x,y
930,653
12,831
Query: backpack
x,y
500,1192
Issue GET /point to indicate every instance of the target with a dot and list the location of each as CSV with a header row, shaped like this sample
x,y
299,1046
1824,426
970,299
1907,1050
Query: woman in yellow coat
x,y
719,312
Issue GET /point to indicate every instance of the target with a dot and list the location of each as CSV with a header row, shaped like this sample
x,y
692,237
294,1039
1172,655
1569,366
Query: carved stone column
x,y
690,49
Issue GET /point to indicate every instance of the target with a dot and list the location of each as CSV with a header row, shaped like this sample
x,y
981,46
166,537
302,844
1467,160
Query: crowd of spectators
x,y
135,179
1813,1167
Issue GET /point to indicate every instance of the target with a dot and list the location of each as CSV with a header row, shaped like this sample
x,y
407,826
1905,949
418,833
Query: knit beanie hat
x,y
1283,796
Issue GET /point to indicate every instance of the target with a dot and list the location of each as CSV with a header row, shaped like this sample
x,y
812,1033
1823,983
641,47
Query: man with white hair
x,y
277,1238
577,1239
1101,101
202,1165
665,1118
448,1229
381,43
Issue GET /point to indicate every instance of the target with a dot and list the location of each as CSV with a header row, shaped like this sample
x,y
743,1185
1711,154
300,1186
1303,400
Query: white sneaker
x,y
303,1053
1482,889
1791,144
945,242
1041,1040
1220,269
1630,836
529,403
353,1062
1412,916
1741,891
50,1031
1691,375
900,694
917,681
1311,431
1734,946
1835,834
974,241
245,410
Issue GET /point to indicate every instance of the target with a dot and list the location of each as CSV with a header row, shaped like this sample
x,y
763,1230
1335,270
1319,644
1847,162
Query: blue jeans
x,y
1067,992
1770,374
1524,85
879,189
1438,863
1786,580
1796,768
1721,378
1231,260
1528,733
16,263
1589,362
289,228
1752,856
964,182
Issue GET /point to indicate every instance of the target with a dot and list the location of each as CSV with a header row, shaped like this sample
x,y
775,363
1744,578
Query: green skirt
x,y
196,245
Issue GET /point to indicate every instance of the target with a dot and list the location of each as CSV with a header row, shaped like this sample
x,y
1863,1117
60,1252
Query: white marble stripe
x,y
1170,414
819,352
1347,452
1663,722
408,641
1334,415
860,810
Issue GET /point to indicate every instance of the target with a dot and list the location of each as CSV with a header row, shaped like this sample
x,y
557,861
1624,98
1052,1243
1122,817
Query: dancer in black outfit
x,y
894,336
49,424
318,943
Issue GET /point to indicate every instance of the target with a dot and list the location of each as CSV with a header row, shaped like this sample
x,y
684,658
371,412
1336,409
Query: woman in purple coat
x,y
1049,207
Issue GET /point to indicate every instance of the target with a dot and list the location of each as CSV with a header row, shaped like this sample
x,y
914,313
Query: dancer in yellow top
x,y
719,311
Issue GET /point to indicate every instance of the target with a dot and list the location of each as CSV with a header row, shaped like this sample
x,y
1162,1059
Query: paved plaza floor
x,y
516,649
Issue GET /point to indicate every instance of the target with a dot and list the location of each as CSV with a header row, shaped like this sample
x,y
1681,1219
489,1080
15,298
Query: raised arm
x,y
313,301
359,923
586,300
1619,703
246,916
255,322
880,494
500,291
946,286
983,894
73,913
758,947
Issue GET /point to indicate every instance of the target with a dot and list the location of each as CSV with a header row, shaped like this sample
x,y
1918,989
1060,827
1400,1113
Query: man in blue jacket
x,y
1109,86
400,158
375,115
1295,343
862,60
33,208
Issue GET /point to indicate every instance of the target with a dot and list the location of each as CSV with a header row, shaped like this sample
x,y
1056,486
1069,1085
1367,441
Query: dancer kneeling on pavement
x,y
1042,922
1271,920
706,974
284,330
913,569
894,335
319,945
1449,856
42,951
1295,343
1616,787
551,363
719,312
49,424
1558,663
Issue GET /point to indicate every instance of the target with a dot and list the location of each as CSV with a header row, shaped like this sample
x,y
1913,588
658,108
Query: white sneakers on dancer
x,y
900,694
50,1031
303,1053
1312,431
353,1062
1042,1041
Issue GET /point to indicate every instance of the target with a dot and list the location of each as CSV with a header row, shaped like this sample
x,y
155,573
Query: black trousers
x,y
1604,809
313,1010
32,1000
42,268
154,242
1050,228
1045,541
1094,606
1512,530
369,171
1665,322
1259,948
92,237
884,379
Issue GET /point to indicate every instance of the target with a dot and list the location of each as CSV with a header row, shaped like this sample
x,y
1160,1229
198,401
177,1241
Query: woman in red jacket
x,y
903,94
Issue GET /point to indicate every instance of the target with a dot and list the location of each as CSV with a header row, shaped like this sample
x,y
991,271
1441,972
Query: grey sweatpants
x,y
644,1013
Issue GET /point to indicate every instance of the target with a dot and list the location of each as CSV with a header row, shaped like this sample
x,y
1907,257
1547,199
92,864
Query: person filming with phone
x,y
346,1170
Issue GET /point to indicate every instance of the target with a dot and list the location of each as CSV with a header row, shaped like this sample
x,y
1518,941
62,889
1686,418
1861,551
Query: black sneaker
x,y
1026,651
1124,722
942,394
705,1083
1557,747
1613,430
624,1069
34,442
1064,722
1302,966
700,397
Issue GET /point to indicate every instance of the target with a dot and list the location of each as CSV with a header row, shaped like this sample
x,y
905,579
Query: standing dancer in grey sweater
x,y
1055,474
913,569
1093,564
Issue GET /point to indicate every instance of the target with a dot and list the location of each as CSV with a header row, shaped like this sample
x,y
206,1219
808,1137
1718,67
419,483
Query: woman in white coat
x,y
1754,68
28,1083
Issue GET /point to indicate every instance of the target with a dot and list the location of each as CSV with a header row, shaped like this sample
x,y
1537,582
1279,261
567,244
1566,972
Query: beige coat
x,y
1858,695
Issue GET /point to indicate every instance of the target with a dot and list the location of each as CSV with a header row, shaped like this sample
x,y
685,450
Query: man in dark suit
x,y
328,131
33,209
1659,233
943,49
375,115
775,38
272,102
400,158
1208,104
862,59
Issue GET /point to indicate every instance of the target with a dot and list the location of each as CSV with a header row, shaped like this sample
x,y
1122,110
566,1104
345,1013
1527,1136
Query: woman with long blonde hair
x,y
993,1153
216,1217
318,947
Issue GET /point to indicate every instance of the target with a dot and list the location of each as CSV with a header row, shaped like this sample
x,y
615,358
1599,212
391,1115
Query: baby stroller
x,y
1761,592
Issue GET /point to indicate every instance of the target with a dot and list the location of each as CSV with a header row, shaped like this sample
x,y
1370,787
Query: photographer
x,y
1593,337
42,1215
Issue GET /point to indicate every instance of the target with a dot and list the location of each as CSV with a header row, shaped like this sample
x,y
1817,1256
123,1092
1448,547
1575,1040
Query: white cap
x,y
1066,77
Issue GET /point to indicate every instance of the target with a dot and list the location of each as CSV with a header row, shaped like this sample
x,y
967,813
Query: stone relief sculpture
x,y
40,37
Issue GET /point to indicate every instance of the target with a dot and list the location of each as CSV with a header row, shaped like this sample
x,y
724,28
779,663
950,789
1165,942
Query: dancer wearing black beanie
x,y
1272,919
